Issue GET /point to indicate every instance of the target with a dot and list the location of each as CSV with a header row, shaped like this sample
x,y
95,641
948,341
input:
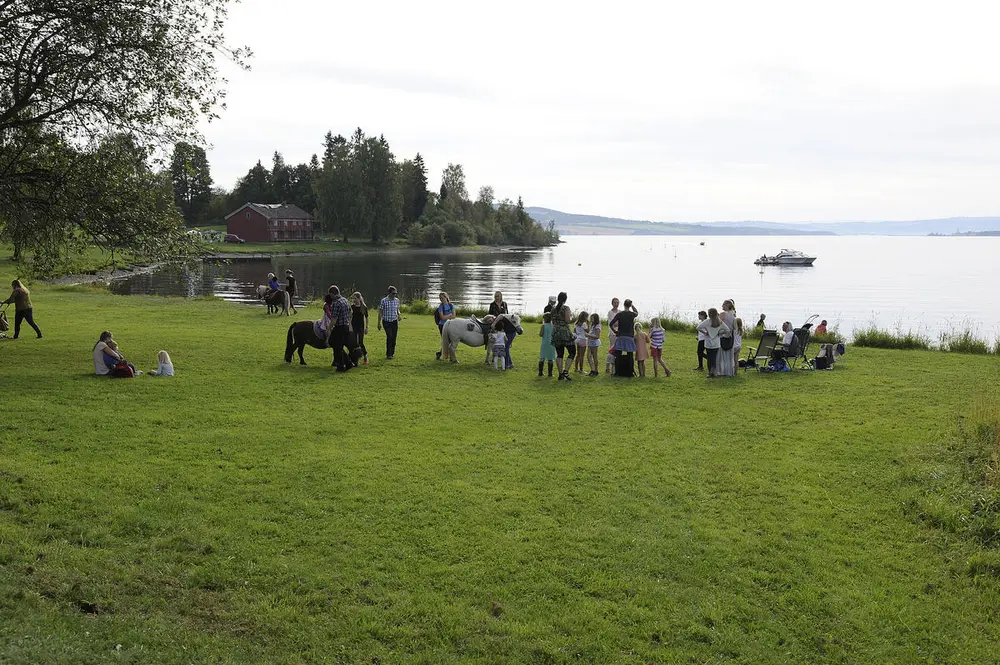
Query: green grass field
x,y
248,511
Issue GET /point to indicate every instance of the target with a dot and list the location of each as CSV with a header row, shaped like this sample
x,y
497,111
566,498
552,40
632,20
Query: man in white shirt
x,y
786,328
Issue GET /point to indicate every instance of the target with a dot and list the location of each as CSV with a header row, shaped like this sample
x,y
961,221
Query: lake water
x,y
927,284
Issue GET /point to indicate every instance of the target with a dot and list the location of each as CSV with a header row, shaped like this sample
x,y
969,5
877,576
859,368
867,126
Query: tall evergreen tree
x,y
255,187
300,186
281,179
385,197
332,187
192,182
413,189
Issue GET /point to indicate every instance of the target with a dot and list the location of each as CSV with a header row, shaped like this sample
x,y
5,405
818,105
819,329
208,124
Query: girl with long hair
x,y
359,320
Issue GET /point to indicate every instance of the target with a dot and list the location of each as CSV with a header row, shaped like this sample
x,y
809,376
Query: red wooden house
x,y
270,222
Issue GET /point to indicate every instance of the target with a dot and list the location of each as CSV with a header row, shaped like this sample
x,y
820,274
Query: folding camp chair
x,y
758,356
802,337
796,349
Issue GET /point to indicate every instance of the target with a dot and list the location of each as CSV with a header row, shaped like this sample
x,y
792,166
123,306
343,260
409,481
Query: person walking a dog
x,y
388,316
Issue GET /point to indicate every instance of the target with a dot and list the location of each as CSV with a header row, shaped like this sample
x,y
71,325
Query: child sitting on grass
x,y
548,351
656,337
165,368
111,360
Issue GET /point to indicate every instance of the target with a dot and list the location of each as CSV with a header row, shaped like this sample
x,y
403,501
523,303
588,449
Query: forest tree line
x,y
358,189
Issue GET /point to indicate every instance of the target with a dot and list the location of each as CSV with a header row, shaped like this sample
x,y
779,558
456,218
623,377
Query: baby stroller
x,y
4,323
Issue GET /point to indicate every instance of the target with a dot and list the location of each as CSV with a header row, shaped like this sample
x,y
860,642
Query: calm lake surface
x,y
927,284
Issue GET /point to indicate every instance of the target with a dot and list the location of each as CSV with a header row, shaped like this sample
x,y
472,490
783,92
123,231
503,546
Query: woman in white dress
x,y
714,328
726,363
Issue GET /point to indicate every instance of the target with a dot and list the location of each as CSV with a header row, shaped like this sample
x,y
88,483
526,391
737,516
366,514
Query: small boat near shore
x,y
786,257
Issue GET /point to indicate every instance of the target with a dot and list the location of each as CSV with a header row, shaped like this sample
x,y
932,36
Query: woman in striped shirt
x,y
656,336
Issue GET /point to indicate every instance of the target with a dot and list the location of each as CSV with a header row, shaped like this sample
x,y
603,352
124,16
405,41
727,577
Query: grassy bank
x,y
415,511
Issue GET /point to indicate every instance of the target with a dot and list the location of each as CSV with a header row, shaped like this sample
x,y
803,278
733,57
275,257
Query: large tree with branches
x,y
109,82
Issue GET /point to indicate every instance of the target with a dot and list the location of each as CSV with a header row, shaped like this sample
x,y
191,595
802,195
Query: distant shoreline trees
x,y
357,189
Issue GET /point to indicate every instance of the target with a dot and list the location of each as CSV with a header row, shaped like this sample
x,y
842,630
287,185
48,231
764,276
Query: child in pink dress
x,y
641,349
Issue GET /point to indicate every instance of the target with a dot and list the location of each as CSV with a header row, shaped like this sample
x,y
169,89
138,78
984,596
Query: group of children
x,y
587,338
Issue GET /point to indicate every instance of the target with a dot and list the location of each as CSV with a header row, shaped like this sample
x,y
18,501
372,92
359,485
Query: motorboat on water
x,y
786,257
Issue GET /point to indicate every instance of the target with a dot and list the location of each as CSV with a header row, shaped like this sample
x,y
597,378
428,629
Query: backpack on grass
x,y
122,370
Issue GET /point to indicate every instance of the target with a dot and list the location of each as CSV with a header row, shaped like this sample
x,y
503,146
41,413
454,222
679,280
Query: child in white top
x,y
499,347
656,337
702,315
166,368
580,339
593,342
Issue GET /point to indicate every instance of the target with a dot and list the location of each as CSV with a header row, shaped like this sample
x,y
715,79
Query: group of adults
x,y
720,339
345,324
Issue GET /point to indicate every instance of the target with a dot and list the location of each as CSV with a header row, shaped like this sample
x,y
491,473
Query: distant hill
x,y
575,224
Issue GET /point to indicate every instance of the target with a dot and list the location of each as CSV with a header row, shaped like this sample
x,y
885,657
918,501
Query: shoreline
x,y
472,249
106,275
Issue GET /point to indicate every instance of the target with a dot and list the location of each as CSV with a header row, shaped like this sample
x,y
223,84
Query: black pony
x,y
302,333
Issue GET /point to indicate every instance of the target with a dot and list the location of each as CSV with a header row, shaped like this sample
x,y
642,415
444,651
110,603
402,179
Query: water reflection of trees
x,y
469,278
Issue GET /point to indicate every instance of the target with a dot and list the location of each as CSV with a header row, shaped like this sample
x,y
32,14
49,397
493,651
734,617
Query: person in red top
x,y
821,328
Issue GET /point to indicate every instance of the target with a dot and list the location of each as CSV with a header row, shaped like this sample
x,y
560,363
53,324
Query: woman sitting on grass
x,y
101,349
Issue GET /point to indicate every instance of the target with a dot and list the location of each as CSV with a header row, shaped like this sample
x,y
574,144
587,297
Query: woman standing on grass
x,y
713,327
562,336
498,306
726,360
21,298
443,313
359,321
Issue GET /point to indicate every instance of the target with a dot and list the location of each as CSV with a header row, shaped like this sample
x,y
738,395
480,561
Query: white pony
x,y
280,299
471,332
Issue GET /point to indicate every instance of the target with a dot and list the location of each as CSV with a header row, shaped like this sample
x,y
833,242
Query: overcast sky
x,y
670,111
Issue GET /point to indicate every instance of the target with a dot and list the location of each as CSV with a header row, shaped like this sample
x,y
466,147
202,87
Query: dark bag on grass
x,y
122,370
625,366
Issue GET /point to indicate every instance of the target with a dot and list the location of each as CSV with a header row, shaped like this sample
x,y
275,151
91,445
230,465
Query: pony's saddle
x,y
482,327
